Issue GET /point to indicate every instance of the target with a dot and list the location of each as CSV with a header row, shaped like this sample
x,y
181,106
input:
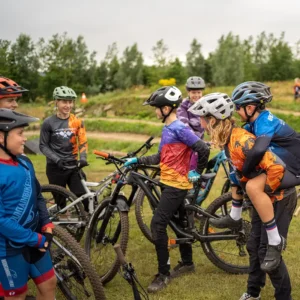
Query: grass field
x,y
208,282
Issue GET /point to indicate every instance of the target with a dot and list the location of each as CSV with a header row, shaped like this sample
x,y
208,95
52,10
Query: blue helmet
x,y
251,92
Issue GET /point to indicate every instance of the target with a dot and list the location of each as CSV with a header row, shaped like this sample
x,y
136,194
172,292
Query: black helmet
x,y
165,96
10,119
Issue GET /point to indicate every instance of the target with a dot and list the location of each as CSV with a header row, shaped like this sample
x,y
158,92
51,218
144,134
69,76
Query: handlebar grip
x,y
101,153
149,140
120,254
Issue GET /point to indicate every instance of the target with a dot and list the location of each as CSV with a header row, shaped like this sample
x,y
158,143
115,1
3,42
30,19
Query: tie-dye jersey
x,y
63,139
175,154
241,141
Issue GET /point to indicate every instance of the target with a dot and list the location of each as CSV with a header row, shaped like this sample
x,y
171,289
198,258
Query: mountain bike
x,y
73,216
109,224
144,209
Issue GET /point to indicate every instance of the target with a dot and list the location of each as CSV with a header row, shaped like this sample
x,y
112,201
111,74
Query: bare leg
x,y
46,290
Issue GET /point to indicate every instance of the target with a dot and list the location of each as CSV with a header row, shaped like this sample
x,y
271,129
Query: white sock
x,y
236,209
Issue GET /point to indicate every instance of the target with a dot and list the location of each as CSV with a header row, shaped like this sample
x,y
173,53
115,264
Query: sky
x,y
103,22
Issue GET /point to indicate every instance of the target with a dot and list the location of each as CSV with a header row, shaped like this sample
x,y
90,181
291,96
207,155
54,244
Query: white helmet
x,y
218,105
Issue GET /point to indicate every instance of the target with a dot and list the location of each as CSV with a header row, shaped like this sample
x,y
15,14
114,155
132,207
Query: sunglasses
x,y
237,107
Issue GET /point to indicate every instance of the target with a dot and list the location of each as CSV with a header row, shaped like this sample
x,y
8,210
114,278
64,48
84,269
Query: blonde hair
x,y
220,130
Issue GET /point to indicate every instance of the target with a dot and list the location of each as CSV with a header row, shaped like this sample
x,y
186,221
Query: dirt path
x,y
285,112
126,121
113,136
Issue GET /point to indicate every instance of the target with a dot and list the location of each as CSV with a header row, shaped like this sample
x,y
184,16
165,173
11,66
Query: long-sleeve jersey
x,y
190,119
63,139
240,144
177,142
23,210
273,132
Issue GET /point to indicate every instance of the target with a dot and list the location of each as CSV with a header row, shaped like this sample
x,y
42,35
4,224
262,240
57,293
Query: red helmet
x,y
10,89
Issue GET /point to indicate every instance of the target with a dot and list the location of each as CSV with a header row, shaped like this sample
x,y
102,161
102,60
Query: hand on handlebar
x,y
193,176
82,163
131,161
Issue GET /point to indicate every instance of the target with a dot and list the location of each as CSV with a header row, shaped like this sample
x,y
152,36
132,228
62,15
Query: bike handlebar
x,y
120,254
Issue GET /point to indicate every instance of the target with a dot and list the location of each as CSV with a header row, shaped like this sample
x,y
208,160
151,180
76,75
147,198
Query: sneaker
x,y
227,222
181,269
272,259
160,282
246,296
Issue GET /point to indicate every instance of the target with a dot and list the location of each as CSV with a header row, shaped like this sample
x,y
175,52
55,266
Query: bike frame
x,y
137,180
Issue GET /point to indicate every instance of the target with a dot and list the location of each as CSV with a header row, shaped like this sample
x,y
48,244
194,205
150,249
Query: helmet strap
x,y
165,116
250,116
4,148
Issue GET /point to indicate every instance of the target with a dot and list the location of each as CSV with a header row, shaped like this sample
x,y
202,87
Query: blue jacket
x,y
23,210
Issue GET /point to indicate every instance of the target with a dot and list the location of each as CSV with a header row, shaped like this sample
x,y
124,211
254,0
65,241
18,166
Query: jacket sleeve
x,y
82,141
203,154
45,135
13,231
182,114
41,207
255,155
150,160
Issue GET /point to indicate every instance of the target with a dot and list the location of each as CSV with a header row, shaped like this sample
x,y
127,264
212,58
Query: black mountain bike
x,y
109,224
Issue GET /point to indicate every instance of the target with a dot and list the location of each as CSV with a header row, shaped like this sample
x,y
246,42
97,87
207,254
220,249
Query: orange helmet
x,y
10,89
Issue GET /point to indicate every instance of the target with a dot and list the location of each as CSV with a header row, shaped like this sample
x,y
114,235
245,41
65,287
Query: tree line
x,y
41,66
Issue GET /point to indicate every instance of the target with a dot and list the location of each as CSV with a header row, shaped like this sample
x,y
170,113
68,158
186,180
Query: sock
x,y
236,209
272,232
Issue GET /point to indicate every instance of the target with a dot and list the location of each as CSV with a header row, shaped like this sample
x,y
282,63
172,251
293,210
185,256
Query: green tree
x,y
24,64
131,68
195,62
176,70
4,54
227,61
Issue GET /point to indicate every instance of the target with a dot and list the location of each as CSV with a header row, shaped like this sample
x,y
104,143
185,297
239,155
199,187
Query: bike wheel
x,y
76,277
102,254
226,187
75,214
144,211
228,255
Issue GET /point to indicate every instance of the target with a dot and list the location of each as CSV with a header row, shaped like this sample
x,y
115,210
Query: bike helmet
x,y
251,92
10,89
218,105
64,93
10,119
165,96
195,83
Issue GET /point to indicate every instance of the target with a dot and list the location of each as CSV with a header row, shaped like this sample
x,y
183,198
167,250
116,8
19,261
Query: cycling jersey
x,y
23,210
190,119
280,137
177,142
240,143
63,139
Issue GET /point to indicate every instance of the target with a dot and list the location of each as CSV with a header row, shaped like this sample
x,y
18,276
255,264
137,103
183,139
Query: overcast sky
x,y
103,22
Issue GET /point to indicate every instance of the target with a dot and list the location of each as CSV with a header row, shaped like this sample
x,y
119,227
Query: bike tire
x,y
218,251
77,267
226,187
77,211
107,267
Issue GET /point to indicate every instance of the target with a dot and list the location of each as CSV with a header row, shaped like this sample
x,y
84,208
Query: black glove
x,y
82,163
49,237
61,164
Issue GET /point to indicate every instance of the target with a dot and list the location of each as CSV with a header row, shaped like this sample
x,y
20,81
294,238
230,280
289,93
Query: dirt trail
x,y
113,136
285,112
126,121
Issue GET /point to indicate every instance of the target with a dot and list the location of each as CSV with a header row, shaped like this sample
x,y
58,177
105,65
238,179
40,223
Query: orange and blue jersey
x,y
175,151
63,139
240,143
